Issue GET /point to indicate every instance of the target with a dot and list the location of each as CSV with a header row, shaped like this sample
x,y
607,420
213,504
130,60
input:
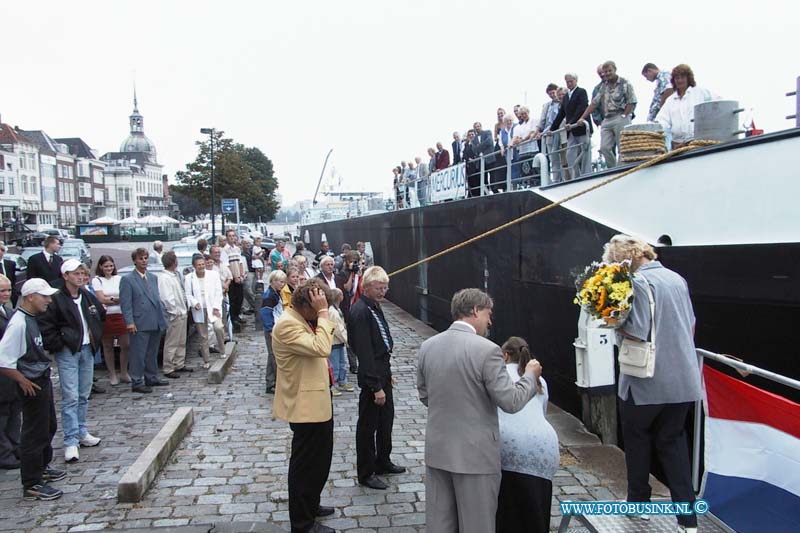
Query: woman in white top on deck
x,y
106,288
529,454
677,113
204,295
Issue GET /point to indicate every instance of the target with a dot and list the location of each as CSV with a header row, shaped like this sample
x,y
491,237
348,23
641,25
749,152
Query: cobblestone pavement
x,y
232,466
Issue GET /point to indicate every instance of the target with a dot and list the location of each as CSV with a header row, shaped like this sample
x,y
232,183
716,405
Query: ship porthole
x,y
665,240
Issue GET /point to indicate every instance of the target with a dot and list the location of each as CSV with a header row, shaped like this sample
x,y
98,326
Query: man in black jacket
x,y
472,167
72,329
46,264
10,402
482,145
9,269
579,141
369,336
458,147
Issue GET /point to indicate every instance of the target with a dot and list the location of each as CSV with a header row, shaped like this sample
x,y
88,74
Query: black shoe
x,y
213,350
143,389
325,511
373,482
158,383
184,369
321,528
172,375
270,390
43,492
354,370
391,468
53,474
9,466
97,389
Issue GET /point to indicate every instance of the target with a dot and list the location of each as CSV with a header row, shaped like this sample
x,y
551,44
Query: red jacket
x,y
442,159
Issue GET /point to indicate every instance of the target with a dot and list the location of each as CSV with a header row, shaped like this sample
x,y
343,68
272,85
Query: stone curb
x,y
137,479
220,367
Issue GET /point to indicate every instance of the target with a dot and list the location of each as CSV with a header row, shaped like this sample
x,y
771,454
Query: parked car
x,y
37,238
76,252
185,247
185,261
154,268
27,252
22,268
194,238
80,243
71,240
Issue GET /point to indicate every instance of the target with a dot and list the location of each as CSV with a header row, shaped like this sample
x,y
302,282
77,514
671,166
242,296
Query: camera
x,y
355,267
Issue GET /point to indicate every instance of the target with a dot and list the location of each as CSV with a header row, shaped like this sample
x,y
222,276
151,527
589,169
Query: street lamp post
x,y
210,133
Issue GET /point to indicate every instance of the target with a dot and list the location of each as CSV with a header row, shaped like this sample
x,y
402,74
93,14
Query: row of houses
x,y
60,182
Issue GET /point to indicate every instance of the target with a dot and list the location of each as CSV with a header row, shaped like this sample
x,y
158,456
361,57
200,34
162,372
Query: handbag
x,y
638,358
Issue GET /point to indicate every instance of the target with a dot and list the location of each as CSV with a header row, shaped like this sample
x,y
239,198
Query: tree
x,y
188,206
239,172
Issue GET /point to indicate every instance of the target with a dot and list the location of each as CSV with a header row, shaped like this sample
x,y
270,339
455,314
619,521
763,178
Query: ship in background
x,y
730,211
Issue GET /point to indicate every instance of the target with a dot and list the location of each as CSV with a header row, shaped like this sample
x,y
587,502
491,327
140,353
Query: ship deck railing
x,y
708,522
540,162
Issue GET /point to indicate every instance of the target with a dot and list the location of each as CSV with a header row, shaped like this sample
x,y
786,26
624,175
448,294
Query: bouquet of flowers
x,y
605,291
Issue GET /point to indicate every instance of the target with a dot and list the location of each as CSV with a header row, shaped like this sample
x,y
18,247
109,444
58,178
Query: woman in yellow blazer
x,y
302,340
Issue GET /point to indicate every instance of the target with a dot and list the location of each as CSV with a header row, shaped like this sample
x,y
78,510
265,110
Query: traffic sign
x,y
230,205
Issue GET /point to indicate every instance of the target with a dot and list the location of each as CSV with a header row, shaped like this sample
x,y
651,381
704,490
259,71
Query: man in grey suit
x,y
144,317
462,380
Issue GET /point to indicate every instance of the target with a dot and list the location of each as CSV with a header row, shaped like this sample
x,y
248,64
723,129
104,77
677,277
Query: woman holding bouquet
x,y
528,454
654,410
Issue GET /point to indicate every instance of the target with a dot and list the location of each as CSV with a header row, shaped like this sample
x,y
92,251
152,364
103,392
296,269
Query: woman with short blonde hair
x,y
624,247
654,410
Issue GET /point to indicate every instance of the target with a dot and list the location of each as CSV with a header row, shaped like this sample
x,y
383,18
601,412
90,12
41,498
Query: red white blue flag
x,y
752,456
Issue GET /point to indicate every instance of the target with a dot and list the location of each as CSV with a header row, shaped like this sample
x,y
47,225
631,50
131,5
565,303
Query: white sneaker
x,y
71,454
89,440
682,529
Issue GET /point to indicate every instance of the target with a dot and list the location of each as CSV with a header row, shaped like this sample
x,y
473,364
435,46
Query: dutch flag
x,y
752,456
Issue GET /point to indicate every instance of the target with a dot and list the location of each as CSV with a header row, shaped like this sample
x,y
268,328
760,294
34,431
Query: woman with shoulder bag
x,y
654,409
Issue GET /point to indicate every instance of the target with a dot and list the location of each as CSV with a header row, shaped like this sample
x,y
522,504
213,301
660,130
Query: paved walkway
x,y
232,466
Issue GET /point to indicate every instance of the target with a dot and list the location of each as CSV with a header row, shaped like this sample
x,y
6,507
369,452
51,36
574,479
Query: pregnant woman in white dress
x,y
529,455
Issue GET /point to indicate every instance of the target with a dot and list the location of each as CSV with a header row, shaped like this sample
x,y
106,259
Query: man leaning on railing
x,y
552,143
523,139
579,143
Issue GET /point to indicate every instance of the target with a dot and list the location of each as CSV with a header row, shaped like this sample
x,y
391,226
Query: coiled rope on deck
x,y
687,147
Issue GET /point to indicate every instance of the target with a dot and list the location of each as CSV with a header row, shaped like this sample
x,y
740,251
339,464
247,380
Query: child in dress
x,y
338,356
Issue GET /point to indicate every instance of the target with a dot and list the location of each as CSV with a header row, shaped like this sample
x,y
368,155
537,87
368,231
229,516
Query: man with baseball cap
x,y
23,359
72,329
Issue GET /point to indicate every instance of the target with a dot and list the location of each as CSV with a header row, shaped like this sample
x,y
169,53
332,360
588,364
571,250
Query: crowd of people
x,y
74,317
490,454
562,131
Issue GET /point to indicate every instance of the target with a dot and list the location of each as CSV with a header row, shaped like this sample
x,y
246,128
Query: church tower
x,y
137,141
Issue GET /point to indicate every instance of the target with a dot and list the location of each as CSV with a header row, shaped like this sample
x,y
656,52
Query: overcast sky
x,y
376,81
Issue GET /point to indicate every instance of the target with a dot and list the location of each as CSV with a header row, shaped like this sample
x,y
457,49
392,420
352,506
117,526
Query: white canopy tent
x,y
104,220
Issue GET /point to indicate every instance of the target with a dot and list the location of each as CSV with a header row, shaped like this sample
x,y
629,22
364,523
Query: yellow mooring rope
x,y
690,146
